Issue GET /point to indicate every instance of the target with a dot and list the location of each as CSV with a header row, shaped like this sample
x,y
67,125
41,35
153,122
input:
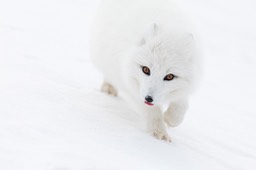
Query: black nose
x,y
149,99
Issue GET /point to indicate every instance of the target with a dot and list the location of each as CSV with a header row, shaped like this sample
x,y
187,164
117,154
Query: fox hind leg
x,y
108,88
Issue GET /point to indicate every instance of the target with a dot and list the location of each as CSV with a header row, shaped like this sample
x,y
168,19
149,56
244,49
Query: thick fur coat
x,y
146,49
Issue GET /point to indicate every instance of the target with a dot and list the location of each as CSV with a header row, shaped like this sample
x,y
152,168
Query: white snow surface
x,y
53,116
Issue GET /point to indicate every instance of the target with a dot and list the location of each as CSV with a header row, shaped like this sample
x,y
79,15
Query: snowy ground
x,y
53,117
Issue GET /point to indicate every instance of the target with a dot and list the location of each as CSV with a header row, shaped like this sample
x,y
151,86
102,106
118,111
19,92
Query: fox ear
x,y
187,40
150,32
186,44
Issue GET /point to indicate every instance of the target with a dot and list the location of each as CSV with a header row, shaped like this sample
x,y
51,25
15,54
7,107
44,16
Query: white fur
x,y
130,34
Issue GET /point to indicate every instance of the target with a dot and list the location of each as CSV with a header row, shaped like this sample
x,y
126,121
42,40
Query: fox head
x,y
161,67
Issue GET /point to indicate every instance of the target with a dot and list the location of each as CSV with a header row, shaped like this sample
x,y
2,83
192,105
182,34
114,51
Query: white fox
x,y
146,49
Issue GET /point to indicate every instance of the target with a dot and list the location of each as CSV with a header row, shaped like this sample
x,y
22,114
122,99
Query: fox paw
x,y
162,135
109,89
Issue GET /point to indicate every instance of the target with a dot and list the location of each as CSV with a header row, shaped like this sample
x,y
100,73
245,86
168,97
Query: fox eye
x,y
146,70
169,77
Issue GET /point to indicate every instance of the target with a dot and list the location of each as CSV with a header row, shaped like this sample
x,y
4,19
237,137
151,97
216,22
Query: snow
x,y
53,116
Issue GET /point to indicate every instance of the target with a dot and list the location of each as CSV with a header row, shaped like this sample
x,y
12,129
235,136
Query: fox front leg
x,y
174,115
156,124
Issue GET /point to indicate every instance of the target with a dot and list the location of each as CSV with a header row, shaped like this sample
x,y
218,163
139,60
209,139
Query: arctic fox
x,y
146,49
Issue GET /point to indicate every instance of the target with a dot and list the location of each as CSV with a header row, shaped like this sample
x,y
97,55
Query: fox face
x,y
161,69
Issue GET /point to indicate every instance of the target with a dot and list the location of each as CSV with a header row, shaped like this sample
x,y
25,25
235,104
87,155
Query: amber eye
x,y
146,70
169,77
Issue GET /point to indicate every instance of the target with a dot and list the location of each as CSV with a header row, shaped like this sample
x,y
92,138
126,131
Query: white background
x,y
53,117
